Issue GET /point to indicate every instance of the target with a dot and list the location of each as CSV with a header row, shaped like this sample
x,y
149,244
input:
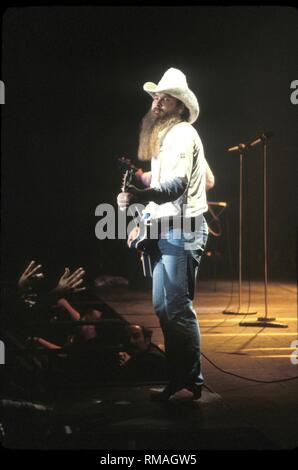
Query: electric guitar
x,y
141,242
148,228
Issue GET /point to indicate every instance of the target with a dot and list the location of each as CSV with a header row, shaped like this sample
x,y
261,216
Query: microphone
x,y
262,138
236,148
265,136
219,204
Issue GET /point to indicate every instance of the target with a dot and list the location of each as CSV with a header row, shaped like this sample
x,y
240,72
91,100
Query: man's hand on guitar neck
x,y
125,199
134,195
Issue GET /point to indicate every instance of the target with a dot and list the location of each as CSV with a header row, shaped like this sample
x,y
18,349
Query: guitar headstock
x,y
126,163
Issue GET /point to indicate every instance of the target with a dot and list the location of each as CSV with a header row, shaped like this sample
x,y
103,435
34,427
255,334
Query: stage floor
x,y
267,402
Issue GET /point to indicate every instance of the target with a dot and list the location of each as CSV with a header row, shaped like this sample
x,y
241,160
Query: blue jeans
x,y
174,274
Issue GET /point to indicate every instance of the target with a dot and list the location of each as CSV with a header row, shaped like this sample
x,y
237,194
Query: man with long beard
x,y
178,182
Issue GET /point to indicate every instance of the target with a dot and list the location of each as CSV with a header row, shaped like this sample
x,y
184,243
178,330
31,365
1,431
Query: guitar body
x,y
146,246
145,240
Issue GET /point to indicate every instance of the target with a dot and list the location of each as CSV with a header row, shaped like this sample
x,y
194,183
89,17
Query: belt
x,y
188,223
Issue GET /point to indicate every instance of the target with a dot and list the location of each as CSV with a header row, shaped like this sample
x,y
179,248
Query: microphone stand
x,y
240,148
264,321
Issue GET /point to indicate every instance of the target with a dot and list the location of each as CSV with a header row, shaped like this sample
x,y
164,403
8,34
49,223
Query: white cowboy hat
x,y
174,83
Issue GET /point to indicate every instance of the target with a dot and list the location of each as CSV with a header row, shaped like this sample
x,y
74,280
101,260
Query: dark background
x,y
74,100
